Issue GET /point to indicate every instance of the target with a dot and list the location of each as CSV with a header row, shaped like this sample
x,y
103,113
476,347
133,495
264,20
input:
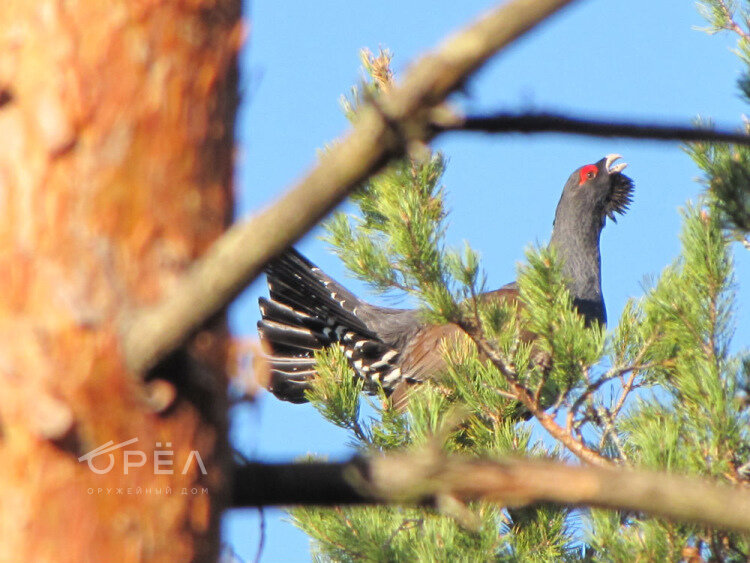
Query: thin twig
x,y
618,445
636,365
543,122
627,388
500,392
540,387
732,24
262,540
569,419
610,430
406,524
609,416
607,377
359,432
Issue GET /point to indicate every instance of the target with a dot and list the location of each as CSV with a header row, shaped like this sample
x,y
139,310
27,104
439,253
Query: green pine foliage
x,y
726,172
660,389
549,313
692,416
726,168
396,241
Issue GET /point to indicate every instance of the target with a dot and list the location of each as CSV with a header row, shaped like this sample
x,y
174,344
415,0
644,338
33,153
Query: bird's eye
x,y
587,173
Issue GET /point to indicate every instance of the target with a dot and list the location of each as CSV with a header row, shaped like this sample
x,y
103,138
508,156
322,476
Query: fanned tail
x,y
308,311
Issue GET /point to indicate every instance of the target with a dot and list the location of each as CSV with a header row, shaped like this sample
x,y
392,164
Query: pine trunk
x,y
116,131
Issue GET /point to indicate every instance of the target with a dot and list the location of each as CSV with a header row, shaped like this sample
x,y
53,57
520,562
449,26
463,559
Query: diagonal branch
x,y
423,477
557,123
378,136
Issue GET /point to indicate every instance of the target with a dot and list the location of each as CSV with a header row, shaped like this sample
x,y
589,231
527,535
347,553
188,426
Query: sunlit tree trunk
x,y
116,127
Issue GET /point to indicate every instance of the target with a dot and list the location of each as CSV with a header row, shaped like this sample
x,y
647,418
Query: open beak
x,y
610,159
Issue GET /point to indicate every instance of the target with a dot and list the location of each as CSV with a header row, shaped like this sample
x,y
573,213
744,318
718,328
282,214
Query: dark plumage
x,y
308,310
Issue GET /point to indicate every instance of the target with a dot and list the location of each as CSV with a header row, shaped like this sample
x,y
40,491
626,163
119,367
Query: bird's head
x,y
594,192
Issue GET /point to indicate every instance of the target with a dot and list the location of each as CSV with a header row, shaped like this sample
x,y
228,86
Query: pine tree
x,y
657,389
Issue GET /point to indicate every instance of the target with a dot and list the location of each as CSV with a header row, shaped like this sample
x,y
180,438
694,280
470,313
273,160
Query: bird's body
x,y
393,348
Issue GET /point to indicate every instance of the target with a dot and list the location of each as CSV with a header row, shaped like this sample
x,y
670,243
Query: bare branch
x,y
634,368
557,123
421,477
627,387
380,134
614,373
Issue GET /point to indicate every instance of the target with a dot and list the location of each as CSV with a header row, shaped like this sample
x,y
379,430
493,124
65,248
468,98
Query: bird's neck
x,y
577,246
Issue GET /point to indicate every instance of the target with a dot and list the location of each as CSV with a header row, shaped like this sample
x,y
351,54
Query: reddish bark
x,y
116,127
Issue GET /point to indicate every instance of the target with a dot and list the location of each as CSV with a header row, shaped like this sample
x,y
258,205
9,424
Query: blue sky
x,y
638,59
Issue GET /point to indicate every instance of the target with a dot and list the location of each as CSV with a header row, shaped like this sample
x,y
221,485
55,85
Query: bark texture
x,y
115,174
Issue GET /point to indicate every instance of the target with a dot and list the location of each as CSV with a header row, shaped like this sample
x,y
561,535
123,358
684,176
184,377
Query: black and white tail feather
x,y
308,311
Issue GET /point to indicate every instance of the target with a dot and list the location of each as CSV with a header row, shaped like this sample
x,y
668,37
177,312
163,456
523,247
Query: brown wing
x,y
423,357
509,294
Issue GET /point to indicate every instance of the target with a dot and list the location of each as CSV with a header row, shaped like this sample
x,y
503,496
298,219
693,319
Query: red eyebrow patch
x,y
587,172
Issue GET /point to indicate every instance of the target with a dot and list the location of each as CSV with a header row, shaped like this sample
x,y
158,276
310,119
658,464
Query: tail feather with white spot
x,y
309,311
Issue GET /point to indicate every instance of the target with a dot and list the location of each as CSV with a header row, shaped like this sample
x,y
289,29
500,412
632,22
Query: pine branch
x,y
522,394
730,23
543,122
378,137
423,477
